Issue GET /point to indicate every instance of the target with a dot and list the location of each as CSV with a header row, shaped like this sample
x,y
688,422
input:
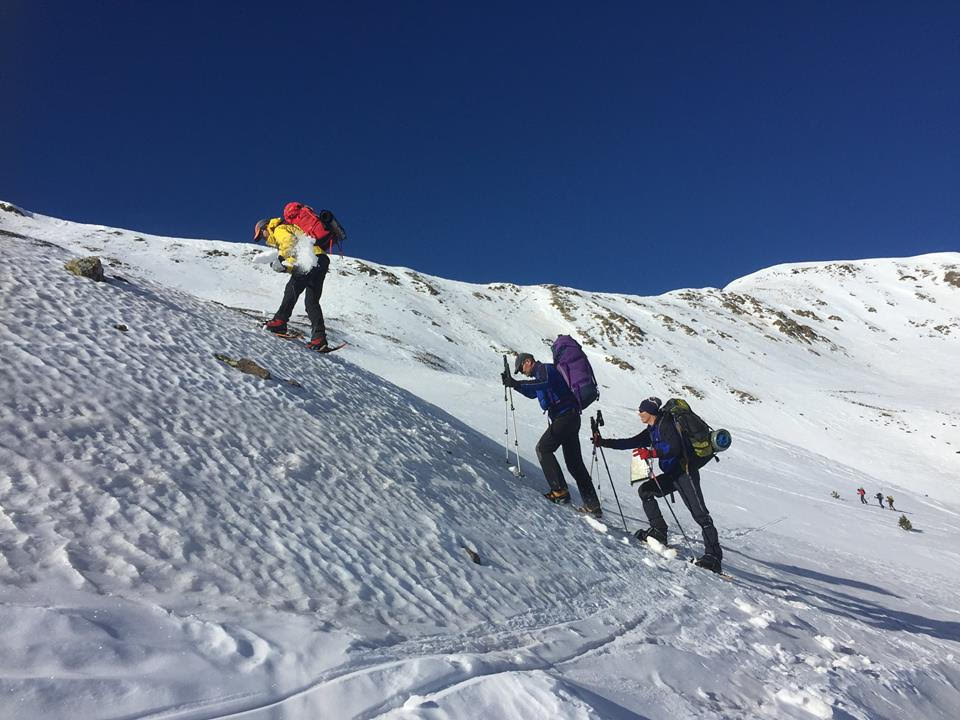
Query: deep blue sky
x,y
625,146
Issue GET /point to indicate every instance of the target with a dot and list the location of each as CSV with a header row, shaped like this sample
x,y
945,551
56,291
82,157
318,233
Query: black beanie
x,y
651,405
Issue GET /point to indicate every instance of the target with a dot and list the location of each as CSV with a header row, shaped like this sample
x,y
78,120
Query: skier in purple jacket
x,y
563,432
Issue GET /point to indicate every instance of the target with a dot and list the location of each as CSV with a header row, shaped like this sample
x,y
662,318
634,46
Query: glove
x,y
508,380
597,441
645,453
277,265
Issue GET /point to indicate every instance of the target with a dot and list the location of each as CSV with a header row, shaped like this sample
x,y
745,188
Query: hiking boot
x,y
659,535
709,562
560,497
319,344
277,326
596,511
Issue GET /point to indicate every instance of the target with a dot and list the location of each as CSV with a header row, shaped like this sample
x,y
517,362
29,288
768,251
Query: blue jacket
x,y
549,387
663,437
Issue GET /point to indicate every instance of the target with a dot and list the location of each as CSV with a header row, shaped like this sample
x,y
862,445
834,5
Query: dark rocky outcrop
x,y
88,267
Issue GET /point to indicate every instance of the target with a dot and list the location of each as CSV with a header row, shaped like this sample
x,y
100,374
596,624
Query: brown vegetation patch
x,y
669,371
365,269
744,397
837,269
673,325
7,207
423,286
691,390
619,362
792,329
387,276
562,300
430,360
743,304
615,326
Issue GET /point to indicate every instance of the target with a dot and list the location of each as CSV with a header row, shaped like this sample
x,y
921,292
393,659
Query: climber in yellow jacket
x,y
302,257
284,237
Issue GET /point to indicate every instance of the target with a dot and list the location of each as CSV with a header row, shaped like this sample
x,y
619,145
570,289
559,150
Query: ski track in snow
x,y
182,541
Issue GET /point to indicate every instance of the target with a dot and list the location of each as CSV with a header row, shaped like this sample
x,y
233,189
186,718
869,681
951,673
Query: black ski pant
x,y
312,282
863,500
564,432
688,485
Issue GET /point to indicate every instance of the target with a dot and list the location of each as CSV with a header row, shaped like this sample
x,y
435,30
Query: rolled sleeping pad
x,y
720,440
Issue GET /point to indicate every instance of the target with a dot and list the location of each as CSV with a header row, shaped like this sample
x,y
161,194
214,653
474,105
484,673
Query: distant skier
x,y
890,502
556,399
662,440
879,497
863,495
300,254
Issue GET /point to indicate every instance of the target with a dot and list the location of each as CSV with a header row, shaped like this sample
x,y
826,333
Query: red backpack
x,y
324,228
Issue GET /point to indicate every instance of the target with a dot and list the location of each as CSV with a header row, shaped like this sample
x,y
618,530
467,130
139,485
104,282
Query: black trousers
x,y
564,432
312,282
688,485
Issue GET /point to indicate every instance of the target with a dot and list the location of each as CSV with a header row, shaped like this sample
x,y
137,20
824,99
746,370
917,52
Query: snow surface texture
x,y
180,540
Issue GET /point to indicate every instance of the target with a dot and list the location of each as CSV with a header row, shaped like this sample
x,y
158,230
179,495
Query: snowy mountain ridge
x,y
895,322
181,540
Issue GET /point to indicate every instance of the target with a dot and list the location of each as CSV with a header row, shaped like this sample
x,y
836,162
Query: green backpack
x,y
699,436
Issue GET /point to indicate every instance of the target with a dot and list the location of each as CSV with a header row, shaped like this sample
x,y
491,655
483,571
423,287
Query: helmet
x,y
258,228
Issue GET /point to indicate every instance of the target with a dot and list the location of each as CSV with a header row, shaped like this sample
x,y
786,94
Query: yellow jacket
x,y
284,238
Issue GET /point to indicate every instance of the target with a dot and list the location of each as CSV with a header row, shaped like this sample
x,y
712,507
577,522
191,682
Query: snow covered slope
x,y
181,540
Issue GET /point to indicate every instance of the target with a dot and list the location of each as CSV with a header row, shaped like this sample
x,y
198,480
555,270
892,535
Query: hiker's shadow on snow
x,y
838,602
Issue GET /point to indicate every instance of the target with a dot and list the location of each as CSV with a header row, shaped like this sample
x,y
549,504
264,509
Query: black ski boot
x,y
659,535
709,562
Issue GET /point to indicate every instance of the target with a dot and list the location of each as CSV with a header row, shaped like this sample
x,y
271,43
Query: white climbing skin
x,y
181,540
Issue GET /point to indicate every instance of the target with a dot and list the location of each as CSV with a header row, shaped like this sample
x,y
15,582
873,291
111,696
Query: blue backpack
x,y
570,360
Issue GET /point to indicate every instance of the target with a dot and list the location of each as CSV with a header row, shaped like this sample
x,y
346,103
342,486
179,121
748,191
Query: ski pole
x,y
593,461
506,418
516,437
763,527
660,489
598,424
